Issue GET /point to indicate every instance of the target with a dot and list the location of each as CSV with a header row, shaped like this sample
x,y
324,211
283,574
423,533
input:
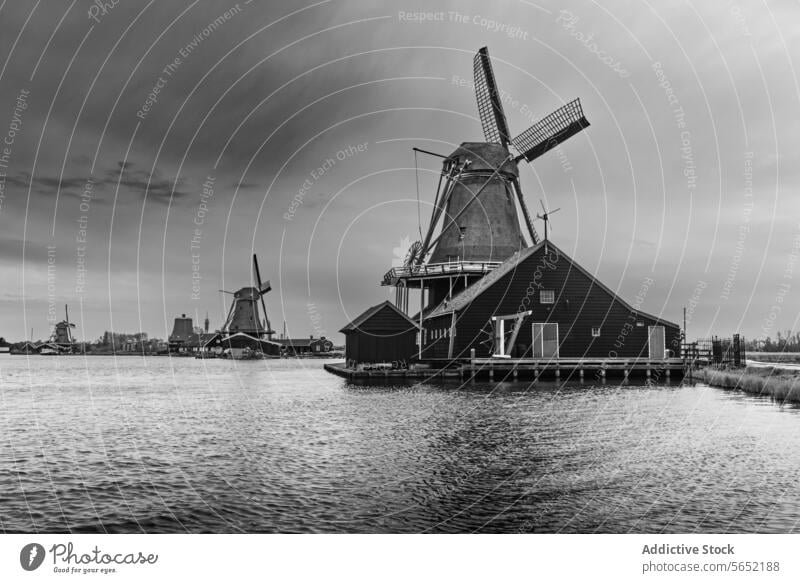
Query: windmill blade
x,y
551,130
490,108
262,289
525,213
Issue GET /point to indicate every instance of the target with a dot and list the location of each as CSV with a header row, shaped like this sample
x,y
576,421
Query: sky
x,y
149,148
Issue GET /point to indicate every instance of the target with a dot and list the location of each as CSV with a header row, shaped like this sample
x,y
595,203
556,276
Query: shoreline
x,y
780,384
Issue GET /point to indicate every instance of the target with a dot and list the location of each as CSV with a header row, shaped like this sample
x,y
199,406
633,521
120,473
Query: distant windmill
x,y
62,333
243,315
475,199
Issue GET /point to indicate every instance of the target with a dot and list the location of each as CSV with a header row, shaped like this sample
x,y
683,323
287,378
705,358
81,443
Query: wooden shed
x,y
540,303
382,334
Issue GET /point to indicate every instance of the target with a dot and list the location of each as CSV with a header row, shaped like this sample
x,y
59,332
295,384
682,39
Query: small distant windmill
x,y
545,217
243,316
62,333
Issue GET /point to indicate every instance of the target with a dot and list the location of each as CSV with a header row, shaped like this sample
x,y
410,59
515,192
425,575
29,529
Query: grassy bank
x,y
781,385
790,357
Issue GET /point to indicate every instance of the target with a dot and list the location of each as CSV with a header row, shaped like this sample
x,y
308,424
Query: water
x,y
181,445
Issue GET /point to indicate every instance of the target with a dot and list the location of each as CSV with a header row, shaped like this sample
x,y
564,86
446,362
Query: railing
x,y
716,352
438,269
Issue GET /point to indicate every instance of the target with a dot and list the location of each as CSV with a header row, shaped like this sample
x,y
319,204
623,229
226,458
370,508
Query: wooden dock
x,y
399,374
512,368
574,368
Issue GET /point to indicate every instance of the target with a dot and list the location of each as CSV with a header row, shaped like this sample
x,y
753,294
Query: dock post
x,y
491,371
580,373
647,373
666,373
472,363
558,372
516,373
536,373
602,373
627,372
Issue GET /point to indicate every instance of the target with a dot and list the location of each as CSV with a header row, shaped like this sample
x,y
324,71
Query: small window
x,y
547,296
639,324
595,332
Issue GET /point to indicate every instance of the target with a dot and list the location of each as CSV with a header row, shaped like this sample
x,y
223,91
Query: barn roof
x,y
465,297
359,320
241,339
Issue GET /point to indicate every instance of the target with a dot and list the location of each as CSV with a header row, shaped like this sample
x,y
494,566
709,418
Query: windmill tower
x,y
474,225
243,316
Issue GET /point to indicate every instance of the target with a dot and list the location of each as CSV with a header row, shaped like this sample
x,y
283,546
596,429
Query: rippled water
x,y
175,445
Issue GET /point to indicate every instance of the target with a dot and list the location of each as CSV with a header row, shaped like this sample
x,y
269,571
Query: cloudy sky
x,y
150,147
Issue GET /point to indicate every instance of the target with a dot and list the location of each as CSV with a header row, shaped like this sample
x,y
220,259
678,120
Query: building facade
x,y
540,303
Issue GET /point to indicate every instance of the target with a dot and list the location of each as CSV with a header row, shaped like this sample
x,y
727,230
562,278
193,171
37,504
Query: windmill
x,y
62,332
475,207
243,316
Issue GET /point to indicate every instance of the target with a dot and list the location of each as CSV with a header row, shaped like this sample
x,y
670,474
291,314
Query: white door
x,y
656,342
545,340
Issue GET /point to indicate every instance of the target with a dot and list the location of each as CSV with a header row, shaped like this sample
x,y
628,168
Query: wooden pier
x,y
573,368
597,369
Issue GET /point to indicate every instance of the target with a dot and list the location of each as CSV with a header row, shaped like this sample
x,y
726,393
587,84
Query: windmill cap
x,y
485,156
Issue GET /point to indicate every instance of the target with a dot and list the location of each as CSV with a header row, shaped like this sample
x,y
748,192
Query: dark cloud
x,y
256,108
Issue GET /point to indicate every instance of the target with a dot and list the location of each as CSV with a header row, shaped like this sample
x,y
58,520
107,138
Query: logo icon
x,y
31,556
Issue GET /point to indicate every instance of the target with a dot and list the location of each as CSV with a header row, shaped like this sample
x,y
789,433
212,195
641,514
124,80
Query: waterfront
x,y
182,445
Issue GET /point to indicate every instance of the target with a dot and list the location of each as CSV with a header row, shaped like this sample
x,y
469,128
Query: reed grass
x,y
778,357
781,385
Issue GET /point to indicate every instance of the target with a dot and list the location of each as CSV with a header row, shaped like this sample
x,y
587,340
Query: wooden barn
x,y
382,334
540,303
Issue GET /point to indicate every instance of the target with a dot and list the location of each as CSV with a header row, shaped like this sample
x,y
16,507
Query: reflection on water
x,y
174,445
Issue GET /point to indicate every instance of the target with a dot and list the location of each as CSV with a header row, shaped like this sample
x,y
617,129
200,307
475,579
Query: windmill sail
x,y
490,108
551,130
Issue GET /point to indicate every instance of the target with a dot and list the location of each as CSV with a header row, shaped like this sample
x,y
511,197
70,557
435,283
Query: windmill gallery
x,y
492,294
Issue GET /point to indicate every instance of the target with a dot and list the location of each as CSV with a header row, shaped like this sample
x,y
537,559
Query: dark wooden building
x,y
540,303
305,346
382,334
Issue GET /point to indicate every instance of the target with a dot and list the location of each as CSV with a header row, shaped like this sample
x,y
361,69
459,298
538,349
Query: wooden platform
x,y
512,368
573,367
339,369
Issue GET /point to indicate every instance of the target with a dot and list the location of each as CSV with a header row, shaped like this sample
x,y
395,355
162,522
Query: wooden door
x,y
656,342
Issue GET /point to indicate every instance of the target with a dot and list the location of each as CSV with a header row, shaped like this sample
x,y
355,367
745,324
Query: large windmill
x,y
474,225
244,327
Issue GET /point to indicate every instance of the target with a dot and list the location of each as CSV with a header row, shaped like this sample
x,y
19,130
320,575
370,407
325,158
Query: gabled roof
x,y
359,320
465,297
242,336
